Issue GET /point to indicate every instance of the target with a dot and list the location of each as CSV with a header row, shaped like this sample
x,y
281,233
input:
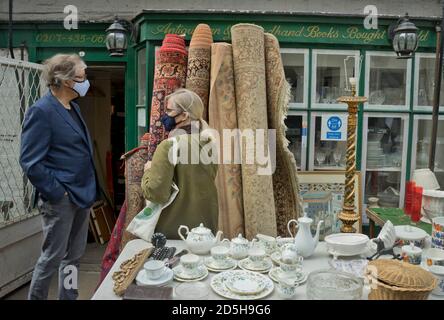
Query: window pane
x,y
141,59
294,135
328,154
294,72
387,81
141,122
331,76
426,82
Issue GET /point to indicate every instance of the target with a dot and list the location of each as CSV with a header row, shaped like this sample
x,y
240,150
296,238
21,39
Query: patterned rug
x,y
251,101
285,181
134,167
169,74
222,115
199,61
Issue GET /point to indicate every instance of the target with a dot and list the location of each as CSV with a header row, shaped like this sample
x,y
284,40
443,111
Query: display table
x,y
378,216
319,260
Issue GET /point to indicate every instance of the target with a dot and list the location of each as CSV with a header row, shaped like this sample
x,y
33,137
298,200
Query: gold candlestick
x,y
348,215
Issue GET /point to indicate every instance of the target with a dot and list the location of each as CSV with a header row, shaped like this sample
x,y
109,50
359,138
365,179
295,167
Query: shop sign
x,y
334,127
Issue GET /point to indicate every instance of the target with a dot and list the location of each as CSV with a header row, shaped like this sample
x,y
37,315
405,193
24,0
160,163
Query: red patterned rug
x,y
170,73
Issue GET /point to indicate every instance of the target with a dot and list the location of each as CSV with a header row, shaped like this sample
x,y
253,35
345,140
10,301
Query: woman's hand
x,y
147,166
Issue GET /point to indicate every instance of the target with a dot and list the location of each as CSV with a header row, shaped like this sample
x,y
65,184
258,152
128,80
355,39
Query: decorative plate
x,y
211,264
219,281
263,267
143,280
299,277
244,285
181,275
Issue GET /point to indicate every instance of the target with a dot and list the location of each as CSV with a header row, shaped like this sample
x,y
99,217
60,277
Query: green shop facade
x,y
319,53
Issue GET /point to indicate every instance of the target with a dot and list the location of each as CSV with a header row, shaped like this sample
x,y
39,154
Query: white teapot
x,y
199,240
239,247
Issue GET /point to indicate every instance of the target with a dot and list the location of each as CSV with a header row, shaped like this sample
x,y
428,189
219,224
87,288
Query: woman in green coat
x,y
196,201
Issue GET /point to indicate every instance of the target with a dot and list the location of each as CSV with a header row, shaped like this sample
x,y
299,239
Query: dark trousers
x,y
65,233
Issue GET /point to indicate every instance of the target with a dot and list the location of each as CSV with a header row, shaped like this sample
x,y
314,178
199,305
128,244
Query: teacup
x,y
154,269
219,254
190,263
267,242
434,256
438,224
286,288
411,254
256,255
283,241
289,269
438,272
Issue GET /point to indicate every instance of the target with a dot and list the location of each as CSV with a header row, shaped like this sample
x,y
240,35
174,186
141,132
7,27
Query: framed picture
x,y
322,193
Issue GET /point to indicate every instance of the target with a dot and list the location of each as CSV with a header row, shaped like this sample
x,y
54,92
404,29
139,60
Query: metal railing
x,y
21,85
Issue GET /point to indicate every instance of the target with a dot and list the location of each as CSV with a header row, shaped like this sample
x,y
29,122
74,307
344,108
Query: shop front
x,y
320,54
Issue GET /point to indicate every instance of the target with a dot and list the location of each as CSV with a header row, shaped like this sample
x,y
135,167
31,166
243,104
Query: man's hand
x,y
147,166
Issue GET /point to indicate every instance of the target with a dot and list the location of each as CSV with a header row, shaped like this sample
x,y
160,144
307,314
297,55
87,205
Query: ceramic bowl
x,y
438,272
433,203
348,244
434,256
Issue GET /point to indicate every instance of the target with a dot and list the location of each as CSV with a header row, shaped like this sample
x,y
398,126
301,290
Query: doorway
x,y
103,109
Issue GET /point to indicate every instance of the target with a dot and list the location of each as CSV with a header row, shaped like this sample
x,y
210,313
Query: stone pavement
x,y
89,276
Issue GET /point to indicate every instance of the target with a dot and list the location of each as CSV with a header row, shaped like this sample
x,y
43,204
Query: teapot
x,y
199,240
239,247
304,241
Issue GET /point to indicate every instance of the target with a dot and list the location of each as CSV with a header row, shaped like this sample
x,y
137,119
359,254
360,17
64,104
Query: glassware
x,y
333,285
337,155
320,157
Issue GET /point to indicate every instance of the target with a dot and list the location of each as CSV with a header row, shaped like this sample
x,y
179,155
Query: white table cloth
x,y
319,260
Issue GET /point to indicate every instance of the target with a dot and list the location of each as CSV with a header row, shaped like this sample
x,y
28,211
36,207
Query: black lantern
x,y
116,39
404,38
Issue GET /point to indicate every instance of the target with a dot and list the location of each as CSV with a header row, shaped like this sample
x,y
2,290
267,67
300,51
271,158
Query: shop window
x,y
295,67
425,82
388,81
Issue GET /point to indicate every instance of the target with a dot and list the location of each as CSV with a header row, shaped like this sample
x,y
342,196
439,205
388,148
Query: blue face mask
x,y
81,87
168,122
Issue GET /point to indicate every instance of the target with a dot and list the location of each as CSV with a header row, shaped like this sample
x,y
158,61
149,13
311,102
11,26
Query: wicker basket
x,y
395,280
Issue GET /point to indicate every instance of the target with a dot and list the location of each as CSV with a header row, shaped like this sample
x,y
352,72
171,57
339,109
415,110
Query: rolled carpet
x,y
134,167
222,115
285,180
169,75
199,62
251,103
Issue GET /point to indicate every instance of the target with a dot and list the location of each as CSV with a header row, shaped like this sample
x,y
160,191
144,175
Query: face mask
x,y
168,122
81,87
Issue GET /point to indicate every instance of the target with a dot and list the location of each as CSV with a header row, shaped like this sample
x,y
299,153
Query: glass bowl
x,y
191,291
333,285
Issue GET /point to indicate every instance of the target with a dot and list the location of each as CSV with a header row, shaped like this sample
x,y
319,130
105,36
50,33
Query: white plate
x,y
211,264
299,277
243,285
181,275
218,284
410,233
265,265
143,280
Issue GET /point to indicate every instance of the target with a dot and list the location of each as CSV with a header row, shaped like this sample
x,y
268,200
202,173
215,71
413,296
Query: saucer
x,y
212,265
262,267
143,280
299,277
181,275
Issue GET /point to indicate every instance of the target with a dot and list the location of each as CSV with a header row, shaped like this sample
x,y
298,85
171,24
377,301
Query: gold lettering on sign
x,y
366,36
423,35
279,32
315,32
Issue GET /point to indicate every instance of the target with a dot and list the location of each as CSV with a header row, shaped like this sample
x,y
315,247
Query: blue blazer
x,y
56,154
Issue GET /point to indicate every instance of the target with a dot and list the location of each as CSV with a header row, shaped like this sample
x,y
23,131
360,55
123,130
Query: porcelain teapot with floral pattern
x,y
199,240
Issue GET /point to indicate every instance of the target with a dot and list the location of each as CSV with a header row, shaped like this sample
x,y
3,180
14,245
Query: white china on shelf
x,y
200,239
142,278
219,281
262,266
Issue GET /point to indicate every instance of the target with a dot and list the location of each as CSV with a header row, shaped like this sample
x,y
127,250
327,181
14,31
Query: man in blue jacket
x,y
57,157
